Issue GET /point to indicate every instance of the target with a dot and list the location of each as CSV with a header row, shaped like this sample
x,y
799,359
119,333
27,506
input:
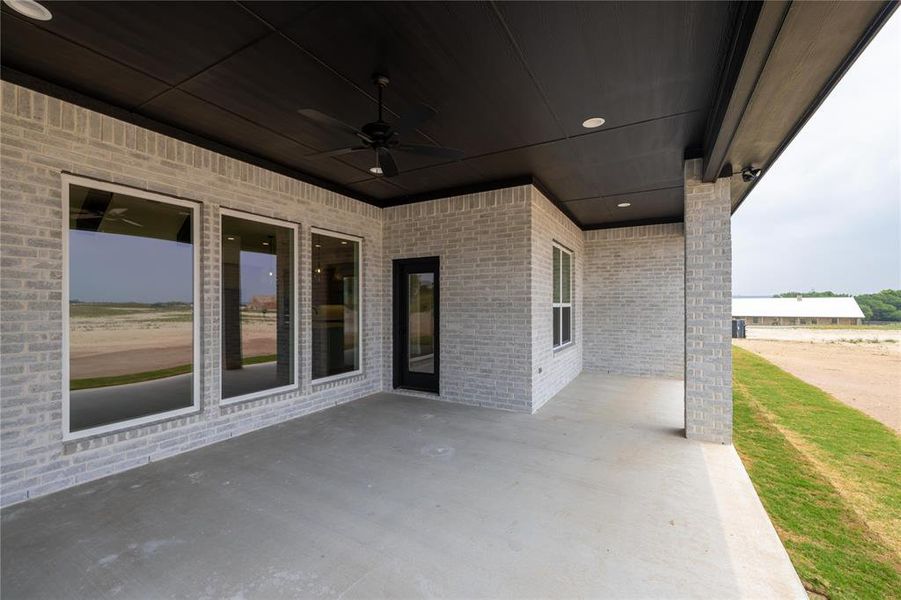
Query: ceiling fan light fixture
x,y
30,9
624,204
593,122
375,170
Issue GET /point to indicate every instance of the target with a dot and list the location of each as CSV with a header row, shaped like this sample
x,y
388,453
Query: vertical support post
x,y
231,303
708,307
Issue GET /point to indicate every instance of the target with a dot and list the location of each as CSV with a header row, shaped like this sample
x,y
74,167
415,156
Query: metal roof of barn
x,y
797,307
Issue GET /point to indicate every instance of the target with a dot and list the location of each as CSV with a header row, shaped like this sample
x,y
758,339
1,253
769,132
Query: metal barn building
x,y
797,311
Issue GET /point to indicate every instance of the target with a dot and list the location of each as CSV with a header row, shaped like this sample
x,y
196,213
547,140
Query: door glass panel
x,y
421,322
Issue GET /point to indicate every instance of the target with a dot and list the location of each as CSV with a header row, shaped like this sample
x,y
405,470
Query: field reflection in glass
x,y
131,274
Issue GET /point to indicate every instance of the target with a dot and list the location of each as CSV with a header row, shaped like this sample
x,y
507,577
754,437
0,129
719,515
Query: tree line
x,y
881,306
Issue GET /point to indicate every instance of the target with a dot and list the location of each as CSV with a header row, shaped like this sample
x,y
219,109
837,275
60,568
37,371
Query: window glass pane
x,y
566,268
336,292
421,322
556,283
257,306
566,319
131,299
556,326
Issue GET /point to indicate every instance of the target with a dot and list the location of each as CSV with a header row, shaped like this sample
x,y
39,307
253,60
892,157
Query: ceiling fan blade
x,y
130,222
436,151
327,122
338,152
386,162
413,119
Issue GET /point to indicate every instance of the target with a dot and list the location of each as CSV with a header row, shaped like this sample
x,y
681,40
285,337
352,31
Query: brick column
x,y
231,303
708,307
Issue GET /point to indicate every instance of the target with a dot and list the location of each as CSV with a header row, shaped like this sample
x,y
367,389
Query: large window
x,y
258,324
563,307
130,291
336,304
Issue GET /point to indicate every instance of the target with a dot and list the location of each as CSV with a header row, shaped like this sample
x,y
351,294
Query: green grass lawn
x,y
120,309
96,382
829,477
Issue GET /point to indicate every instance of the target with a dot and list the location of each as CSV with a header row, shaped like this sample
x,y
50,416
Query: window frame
x,y
295,228
561,305
359,370
67,181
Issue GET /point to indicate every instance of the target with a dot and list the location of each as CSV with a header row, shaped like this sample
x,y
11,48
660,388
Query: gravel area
x,y
862,368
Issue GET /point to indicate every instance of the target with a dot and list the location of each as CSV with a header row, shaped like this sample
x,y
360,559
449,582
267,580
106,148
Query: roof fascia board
x,y
889,7
757,27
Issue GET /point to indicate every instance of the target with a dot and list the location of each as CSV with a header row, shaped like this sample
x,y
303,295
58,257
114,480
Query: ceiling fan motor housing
x,y
378,131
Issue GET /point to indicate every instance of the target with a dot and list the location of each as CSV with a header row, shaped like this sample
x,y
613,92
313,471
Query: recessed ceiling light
x,y
265,243
375,170
624,204
593,122
319,245
230,238
345,243
30,9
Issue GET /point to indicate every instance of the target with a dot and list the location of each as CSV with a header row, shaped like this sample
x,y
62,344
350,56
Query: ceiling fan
x,y
381,137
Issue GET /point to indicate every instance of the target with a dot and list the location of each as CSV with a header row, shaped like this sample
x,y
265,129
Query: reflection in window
x,y
336,312
257,306
131,307
563,308
421,325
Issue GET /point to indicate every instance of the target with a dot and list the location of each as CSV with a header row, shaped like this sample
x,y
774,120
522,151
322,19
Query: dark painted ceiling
x,y
512,83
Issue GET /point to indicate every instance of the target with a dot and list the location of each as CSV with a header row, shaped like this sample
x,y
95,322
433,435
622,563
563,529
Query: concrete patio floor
x,y
393,496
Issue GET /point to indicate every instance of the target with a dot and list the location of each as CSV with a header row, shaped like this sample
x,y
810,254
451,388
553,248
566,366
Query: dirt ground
x,y
104,347
864,371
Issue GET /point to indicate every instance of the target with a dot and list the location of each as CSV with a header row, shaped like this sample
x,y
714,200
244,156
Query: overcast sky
x,y
826,215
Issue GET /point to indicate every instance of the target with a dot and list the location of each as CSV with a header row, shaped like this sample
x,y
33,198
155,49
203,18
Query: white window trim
x,y
295,228
562,305
195,207
359,370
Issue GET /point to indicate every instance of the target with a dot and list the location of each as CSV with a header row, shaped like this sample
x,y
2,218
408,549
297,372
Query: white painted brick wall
x,y
634,311
558,368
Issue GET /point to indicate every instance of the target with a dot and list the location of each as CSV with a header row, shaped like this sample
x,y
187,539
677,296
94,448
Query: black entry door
x,y
416,318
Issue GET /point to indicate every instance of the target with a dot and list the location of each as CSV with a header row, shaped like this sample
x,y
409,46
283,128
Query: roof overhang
x,y
511,81
786,58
